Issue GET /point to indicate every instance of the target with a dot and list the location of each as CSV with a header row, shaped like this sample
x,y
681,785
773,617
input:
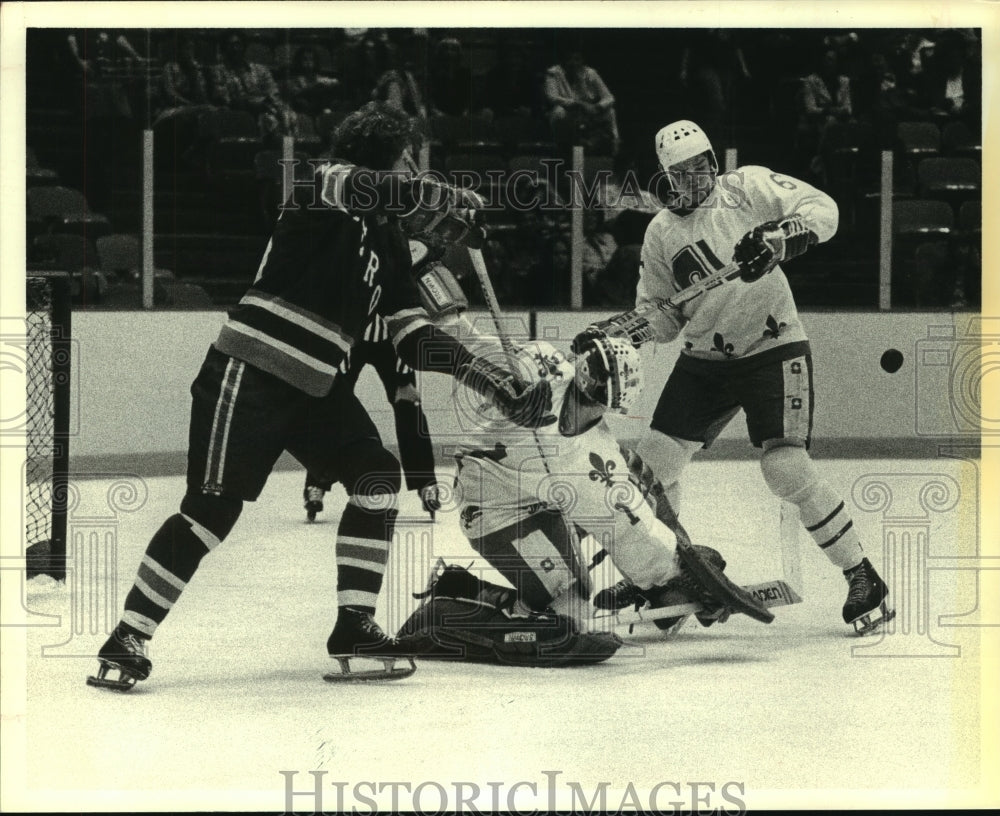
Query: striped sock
x,y
362,551
171,559
825,518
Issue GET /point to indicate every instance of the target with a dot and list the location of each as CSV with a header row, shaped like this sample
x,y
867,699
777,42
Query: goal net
x,y
47,371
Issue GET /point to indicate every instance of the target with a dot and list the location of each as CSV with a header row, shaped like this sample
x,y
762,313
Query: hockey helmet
x,y
680,141
540,360
609,371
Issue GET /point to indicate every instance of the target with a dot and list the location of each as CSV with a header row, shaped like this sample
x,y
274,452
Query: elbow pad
x,y
440,293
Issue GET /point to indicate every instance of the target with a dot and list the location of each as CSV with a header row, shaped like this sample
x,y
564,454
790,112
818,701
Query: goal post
x,y
48,317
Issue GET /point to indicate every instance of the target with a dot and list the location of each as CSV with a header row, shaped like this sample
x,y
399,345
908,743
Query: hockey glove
x,y
764,247
528,407
439,214
631,326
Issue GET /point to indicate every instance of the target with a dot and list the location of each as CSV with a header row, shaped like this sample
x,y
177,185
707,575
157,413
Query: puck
x,y
891,361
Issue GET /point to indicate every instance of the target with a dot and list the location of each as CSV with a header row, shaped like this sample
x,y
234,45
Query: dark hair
x,y
374,136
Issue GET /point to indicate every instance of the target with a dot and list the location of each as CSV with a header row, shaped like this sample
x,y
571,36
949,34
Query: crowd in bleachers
x,y
220,103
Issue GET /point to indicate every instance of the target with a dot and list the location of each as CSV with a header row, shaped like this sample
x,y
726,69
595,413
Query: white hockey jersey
x,y
510,472
737,319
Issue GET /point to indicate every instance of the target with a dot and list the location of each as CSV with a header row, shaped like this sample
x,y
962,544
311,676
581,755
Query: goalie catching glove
x,y
439,214
529,407
764,247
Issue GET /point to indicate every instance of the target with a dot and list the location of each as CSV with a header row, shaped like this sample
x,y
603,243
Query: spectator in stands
x,y
184,80
104,59
711,63
307,90
183,98
399,85
365,55
911,57
598,247
878,100
824,98
509,88
449,79
581,109
249,86
952,81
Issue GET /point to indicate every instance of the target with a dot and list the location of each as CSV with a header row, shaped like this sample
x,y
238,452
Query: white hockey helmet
x,y
680,141
539,360
609,371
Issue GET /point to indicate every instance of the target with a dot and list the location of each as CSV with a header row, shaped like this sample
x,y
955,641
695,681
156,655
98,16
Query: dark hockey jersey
x,y
329,269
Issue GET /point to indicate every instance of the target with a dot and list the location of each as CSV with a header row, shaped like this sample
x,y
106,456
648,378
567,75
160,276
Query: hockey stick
x,y
634,325
698,288
489,293
769,593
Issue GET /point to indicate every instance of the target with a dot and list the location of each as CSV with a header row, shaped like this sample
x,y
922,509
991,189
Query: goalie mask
x,y
688,162
609,372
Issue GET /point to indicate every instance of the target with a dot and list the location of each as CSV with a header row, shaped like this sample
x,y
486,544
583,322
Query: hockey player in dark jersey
x,y
442,296
337,257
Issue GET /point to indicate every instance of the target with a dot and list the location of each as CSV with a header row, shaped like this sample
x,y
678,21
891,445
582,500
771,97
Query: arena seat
x,y
63,209
957,139
919,139
952,179
920,218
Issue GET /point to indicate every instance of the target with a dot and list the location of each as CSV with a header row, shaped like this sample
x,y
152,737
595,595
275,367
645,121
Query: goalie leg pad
x,y
471,631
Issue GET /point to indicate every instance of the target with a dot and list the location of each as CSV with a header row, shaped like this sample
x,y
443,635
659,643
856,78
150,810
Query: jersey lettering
x,y
782,182
371,269
376,297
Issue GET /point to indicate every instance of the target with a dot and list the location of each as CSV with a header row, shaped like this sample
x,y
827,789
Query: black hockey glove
x,y
632,326
764,247
592,332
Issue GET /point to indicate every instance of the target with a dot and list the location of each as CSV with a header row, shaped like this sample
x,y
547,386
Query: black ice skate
x,y
866,605
682,589
313,500
124,654
357,640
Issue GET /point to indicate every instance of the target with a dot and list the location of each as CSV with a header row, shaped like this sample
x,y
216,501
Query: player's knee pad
x,y
666,456
788,471
217,514
368,470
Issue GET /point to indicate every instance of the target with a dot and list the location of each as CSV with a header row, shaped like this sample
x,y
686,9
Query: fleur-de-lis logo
x,y
774,328
722,346
602,469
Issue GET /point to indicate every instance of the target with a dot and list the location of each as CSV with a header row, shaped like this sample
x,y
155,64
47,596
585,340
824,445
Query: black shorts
x,y
774,389
242,418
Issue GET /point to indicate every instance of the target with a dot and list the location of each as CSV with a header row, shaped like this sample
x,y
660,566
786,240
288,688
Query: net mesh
x,y
40,409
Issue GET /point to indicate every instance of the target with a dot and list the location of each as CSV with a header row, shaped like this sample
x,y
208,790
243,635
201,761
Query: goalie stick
x,y
769,593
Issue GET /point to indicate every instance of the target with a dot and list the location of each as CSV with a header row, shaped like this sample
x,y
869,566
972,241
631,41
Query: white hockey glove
x,y
764,247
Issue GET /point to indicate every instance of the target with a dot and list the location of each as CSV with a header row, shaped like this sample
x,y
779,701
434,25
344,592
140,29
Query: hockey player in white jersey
x,y
526,500
744,345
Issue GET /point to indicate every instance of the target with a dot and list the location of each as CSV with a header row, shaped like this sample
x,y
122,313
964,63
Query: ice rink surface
x,y
796,708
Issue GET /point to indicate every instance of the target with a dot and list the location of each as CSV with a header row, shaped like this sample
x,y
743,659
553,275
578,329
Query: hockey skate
x,y
313,500
866,605
358,641
683,589
124,654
